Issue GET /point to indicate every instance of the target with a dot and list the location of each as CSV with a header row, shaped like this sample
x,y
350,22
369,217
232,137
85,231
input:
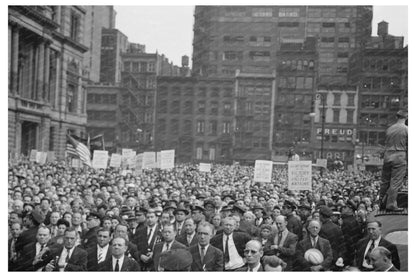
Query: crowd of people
x,y
68,219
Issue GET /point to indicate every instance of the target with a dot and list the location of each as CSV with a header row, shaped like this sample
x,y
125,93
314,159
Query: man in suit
x,y
381,260
189,238
285,242
293,223
15,230
119,261
69,257
232,244
31,222
100,252
180,215
351,230
146,239
206,257
373,240
333,233
89,238
169,242
34,255
121,230
313,240
253,253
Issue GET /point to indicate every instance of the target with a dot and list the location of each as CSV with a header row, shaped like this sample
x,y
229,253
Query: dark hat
x,y
102,206
197,207
131,217
28,204
238,209
201,195
209,202
258,207
289,204
169,206
176,260
305,206
181,208
402,114
93,215
62,221
227,208
350,204
227,195
325,211
37,216
140,210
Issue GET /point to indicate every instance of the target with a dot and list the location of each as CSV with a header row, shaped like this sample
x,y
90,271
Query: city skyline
x,y
165,37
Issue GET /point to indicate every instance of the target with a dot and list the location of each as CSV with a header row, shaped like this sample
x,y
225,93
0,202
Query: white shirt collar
x,y
255,269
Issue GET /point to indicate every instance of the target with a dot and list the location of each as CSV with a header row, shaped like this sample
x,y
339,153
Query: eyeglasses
x,y
248,251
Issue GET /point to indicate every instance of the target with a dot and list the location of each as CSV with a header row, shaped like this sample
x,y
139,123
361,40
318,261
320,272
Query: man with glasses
x,y
206,257
253,253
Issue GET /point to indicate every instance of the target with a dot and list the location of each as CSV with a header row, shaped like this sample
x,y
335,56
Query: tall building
x,y
195,117
249,38
380,71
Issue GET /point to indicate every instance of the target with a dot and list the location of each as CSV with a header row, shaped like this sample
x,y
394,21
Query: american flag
x,y
78,149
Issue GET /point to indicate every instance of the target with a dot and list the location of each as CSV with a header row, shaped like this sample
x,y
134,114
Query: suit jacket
x,y
182,229
140,240
25,238
245,268
333,233
322,245
213,259
288,250
129,264
182,239
77,261
158,250
240,240
89,238
25,260
362,245
295,226
92,264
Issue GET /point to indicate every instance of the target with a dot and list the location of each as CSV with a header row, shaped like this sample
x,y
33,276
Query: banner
x,y
204,167
126,153
42,157
263,171
300,175
167,159
33,155
100,159
149,160
51,156
322,162
131,160
139,163
115,160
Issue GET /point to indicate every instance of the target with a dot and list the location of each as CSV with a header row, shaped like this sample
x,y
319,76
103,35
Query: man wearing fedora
x,y
293,223
394,169
31,222
89,238
189,238
351,230
180,214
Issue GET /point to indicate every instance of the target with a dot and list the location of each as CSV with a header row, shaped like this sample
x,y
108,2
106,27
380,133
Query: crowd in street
x,y
68,219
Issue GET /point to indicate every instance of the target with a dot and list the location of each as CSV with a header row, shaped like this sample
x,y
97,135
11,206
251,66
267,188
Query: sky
x,y
169,29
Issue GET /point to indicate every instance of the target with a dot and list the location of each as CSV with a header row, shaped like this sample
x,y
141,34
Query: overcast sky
x,y
168,29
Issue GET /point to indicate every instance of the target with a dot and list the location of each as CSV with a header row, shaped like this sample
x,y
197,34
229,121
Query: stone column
x,y
46,97
40,84
15,59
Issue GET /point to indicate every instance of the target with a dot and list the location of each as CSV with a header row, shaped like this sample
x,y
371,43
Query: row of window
x,y
94,98
101,115
139,66
212,127
296,82
377,119
188,107
380,102
297,65
177,91
371,83
386,64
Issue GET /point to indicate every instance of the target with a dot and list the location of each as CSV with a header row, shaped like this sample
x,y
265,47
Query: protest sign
x,y
33,155
100,159
300,175
204,167
321,162
158,159
167,159
263,171
51,156
115,160
149,160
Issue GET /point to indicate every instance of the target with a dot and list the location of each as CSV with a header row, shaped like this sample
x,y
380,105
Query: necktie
x,y
250,269
226,253
367,256
13,249
313,242
67,256
202,253
149,233
100,255
117,268
279,238
41,247
166,246
189,240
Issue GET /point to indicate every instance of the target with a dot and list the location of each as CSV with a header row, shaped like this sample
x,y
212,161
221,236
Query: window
x,y
328,24
336,116
351,99
233,55
227,108
188,107
344,39
226,127
75,26
199,153
262,12
212,127
214,107
337,99
187,127
71,98
201,106
151,67
163,106
211,153
288,24
289,12
174,126
175,107
258,56
350,116
308,82
200,127
327,39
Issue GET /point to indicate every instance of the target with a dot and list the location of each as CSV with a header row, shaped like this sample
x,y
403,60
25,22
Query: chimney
x,y
383,29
